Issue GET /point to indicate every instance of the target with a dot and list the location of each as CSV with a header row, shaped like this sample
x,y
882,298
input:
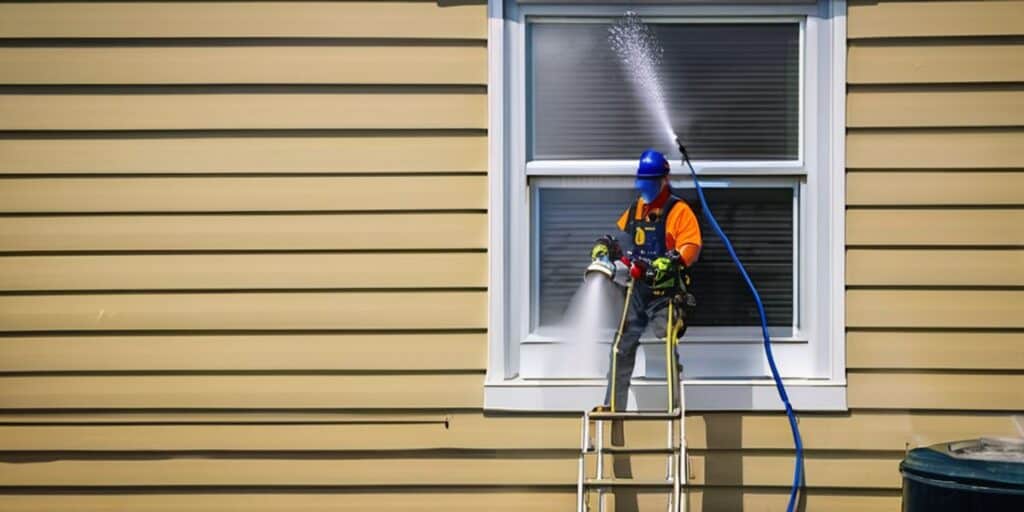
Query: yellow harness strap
x,y
618,337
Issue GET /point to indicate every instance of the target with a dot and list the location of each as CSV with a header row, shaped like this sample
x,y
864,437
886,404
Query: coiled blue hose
x,y
797,441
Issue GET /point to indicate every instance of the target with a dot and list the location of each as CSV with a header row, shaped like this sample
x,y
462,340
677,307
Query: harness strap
x,y
631,218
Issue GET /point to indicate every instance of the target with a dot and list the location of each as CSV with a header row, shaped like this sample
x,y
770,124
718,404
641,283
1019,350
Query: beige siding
x,y
933,62
253,194
935,188
233,109
227,232
402,431
289,271
935,267
955,149
240,352
867,308
256,391
920,390
245,227
934,260
321,310
148,19
305,64
936,19
991,226
459,500
243,264
939,351
345,152
929,106
389,500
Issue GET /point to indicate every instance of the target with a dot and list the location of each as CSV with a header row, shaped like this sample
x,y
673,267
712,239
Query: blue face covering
x,y
649,188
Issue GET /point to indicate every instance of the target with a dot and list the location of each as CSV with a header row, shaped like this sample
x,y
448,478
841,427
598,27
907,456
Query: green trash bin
x,y
978,475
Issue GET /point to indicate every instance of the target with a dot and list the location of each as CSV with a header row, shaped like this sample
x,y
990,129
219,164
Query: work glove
x,y
663,273
684,298
606,247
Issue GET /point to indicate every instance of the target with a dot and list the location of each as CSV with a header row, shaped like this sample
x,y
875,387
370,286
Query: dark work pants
x,y
643,305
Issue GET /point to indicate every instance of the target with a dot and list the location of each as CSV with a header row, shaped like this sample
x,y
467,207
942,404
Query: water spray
x,y
640,53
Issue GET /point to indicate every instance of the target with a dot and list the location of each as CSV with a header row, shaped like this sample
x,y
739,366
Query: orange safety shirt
x,y
682,231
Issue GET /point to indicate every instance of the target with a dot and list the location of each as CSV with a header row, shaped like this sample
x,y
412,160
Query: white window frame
x,y
819,348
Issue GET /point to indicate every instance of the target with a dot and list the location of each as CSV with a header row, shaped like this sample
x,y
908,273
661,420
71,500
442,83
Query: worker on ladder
x,y
666,243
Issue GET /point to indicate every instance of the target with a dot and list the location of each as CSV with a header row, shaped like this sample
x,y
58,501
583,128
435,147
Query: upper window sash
x,y
810,70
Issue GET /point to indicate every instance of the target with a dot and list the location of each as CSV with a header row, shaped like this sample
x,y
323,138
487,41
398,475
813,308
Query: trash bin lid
x,y
996,463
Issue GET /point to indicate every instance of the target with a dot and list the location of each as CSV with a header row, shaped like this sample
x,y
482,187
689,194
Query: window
x,y
753,93
732,91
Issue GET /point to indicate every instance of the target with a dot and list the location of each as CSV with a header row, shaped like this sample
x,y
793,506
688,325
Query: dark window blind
x,y
758,220
732,92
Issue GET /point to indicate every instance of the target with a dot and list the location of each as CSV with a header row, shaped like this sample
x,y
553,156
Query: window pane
x,y
569,222
758,221
732,89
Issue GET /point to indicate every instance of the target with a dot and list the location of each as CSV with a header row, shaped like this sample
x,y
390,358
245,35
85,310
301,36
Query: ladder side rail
x,y
681,469
599,443
584,445
670,461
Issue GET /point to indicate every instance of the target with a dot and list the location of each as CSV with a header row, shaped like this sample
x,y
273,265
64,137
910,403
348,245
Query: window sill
x,y
701,395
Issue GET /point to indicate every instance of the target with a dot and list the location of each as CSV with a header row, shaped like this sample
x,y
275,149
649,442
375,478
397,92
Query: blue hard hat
x,y
652,165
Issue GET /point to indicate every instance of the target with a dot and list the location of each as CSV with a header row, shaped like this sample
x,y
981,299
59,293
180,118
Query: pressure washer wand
x,y
797,441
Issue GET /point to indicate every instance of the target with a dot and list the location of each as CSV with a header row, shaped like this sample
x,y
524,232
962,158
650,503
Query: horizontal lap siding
x,y
249,194
390,500
460,500
255,226
280,271
318,390
932,107
199,288
935,184
956,149
232,311
186,63
399,432
942,19
934,62
243,20
284,231
239,352
759,469
289,108
265,151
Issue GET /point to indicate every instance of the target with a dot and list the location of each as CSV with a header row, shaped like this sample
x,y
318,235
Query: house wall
x,y
243,264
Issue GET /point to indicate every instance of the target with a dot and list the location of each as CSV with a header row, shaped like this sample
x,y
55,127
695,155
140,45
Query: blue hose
x,y
797,441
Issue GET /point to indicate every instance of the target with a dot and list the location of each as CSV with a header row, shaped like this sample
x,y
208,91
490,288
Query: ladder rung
x,y
594,482
622,449
635,415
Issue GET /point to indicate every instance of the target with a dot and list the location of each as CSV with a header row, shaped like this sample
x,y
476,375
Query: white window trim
x,y
504,390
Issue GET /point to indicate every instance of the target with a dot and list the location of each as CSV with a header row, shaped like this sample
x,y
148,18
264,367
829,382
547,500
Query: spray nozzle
x,y
601,266
682,149
615,270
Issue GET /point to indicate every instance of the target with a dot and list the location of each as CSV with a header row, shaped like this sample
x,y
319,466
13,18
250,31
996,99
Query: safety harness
x,y
649,232
648,235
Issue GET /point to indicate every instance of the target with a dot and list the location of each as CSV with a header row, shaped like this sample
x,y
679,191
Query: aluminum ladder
x,y
675,451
